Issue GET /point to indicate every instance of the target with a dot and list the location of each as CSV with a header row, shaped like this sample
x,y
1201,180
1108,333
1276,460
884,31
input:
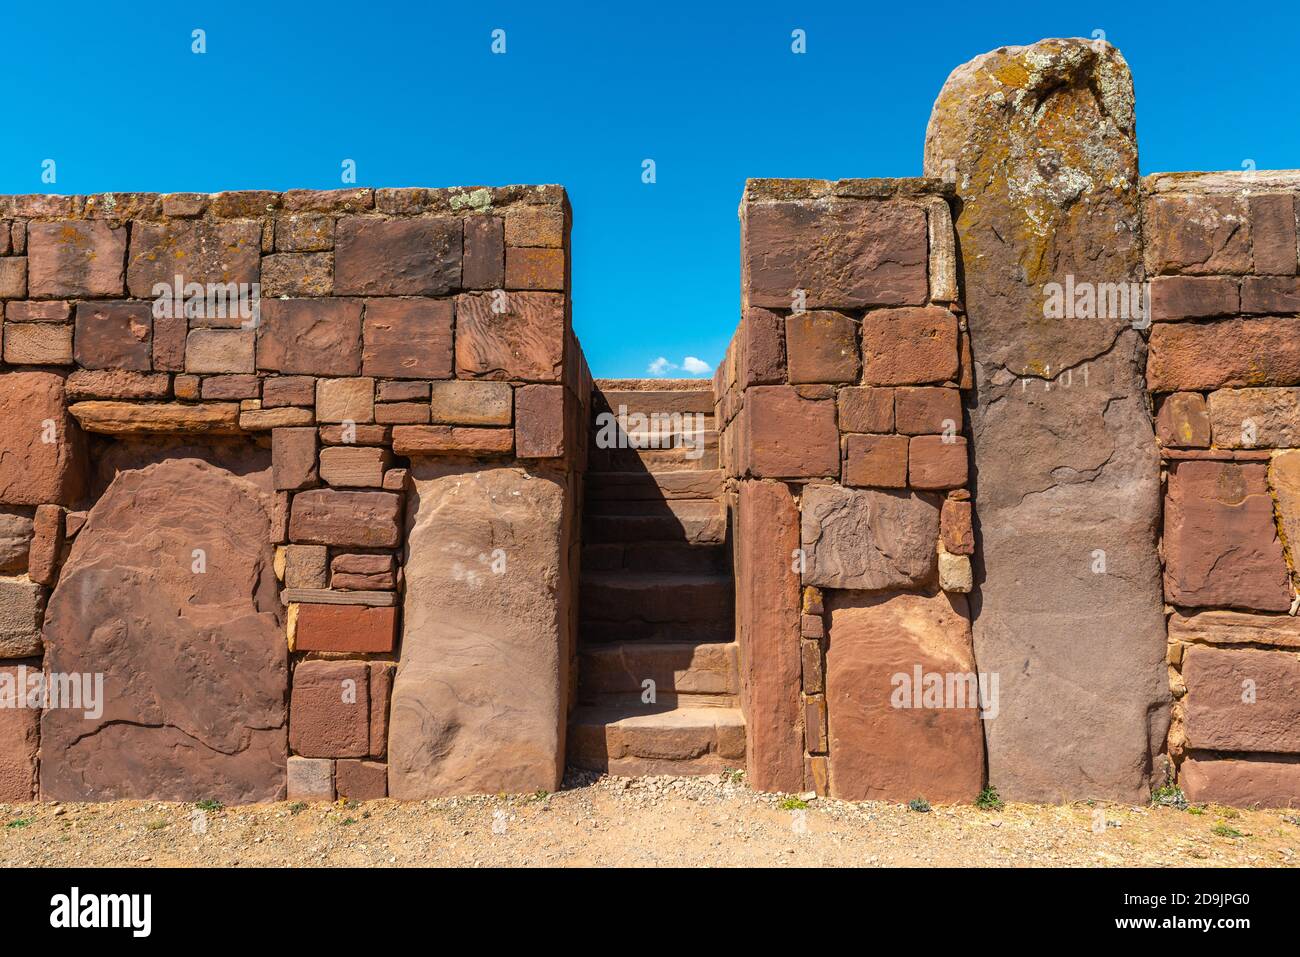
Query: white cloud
x,y
690,364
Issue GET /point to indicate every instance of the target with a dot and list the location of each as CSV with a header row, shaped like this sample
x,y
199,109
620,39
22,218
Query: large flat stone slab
x,y
1040,141
893,738
194,663
478,702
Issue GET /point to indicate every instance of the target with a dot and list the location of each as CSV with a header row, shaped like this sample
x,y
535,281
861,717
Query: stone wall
x,y
228,417
1224,372
840,407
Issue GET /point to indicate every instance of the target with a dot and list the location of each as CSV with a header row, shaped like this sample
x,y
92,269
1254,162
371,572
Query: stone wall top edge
x,y
654,385
1222,181
770,189
238,204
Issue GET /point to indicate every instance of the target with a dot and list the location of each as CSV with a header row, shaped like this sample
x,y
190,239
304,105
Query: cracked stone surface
x,y
1040,140
478,699
194,663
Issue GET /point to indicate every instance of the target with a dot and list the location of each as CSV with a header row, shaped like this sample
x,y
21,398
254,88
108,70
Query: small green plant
x,y
297,807
209,804
539,795
1195,809
793,804
735,776
349,820
1223,830
1169,796
989,800
157,825
920,805
19,822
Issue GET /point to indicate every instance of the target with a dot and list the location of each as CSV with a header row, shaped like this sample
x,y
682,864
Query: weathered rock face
x,y
19,737
1040,140
194,664
1242,782
1221,543
478,700
868,539
892,738
1242,699
42,450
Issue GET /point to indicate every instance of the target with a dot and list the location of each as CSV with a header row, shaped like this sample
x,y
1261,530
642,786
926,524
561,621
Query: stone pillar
x,y
1040,141
478,702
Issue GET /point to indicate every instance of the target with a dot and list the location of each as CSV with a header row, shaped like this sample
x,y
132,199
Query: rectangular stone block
x,y
400,391
1277,295
843,254
19,741
788,436
310,779
813,678
397,257
1242,699
1194,297
355,434
868,539
535,269
52,311
1256,781
169,335
253,418
913,346
306,566
381,688
219,350
346,519
310,337
465,402
22,606
304,232
875,460
288,390
1255,418
539,422
956,527
1273,233
114,335
822,346
75,259
767,630
761,339
814,724
329,709
1196,235
13,277
535,226
117,384
1221,545
937,461
164,418
866,409
353,466
350,628
485,253
1192,357
298,274
345,400
1183,421
47,544
363,572
525,342
200,251
408,338
360,780
293,458
231,387
433,439
37,344
402,413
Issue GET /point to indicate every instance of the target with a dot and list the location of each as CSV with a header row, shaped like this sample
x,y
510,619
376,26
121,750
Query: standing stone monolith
x,y
1040,142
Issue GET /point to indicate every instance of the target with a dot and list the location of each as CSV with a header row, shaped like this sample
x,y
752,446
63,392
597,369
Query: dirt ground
x,y
600,821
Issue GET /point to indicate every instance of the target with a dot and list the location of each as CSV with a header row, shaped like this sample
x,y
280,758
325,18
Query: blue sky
x,y
712,93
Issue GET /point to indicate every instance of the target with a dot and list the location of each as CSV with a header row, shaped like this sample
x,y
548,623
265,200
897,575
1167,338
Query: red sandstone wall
x,y
840,407
397,327
1224,373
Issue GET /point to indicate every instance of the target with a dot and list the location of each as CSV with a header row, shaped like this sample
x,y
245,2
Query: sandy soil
x,y
641,822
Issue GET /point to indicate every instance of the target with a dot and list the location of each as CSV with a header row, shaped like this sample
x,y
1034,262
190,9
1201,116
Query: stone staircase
x,y
657,597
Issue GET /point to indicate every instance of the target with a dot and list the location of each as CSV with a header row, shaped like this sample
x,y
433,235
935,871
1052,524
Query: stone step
x,y
700,523
657,557
640,485
676,668
594,632
694,458
635,741
653,395
656,597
